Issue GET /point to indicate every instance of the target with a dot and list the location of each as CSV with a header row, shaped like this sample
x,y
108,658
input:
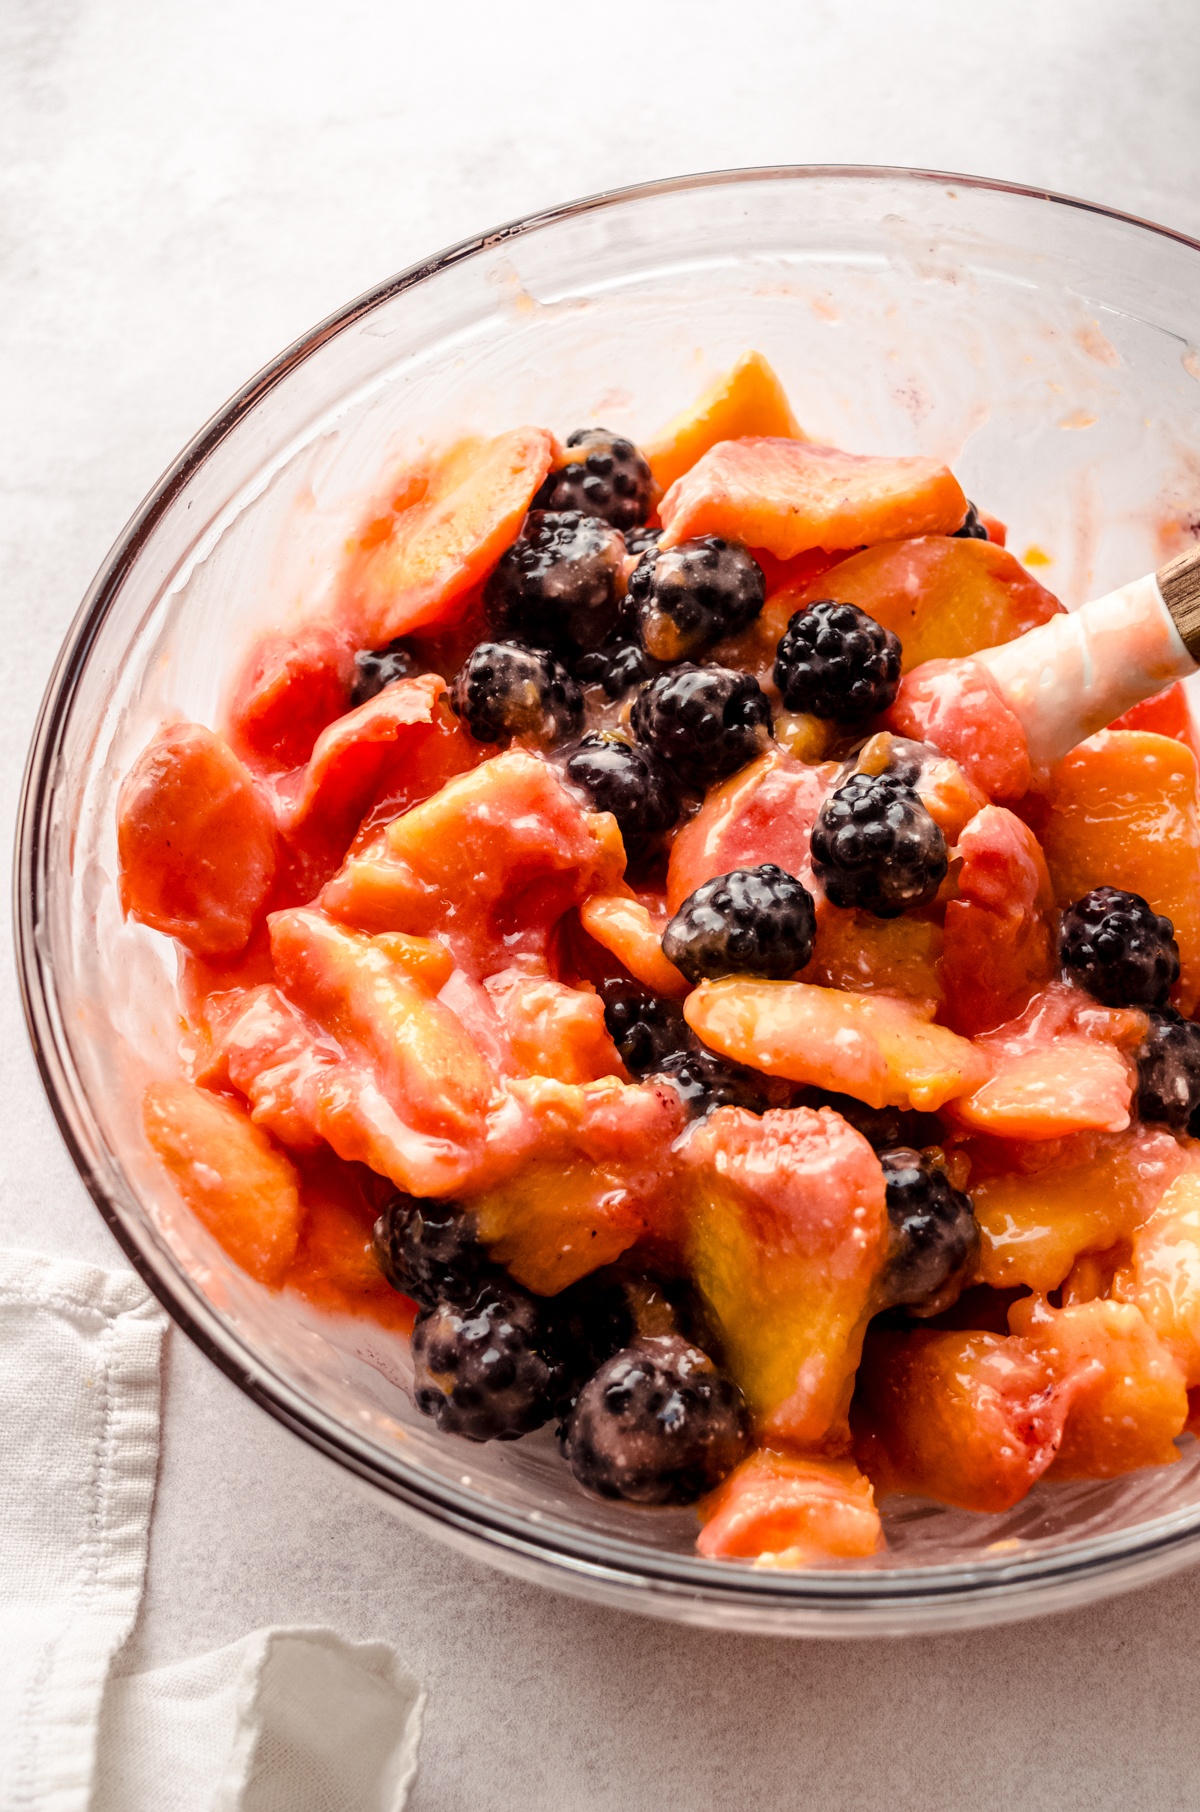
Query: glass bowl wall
x,y
1047,349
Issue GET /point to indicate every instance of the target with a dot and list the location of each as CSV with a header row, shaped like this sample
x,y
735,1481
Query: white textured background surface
x,y
188,187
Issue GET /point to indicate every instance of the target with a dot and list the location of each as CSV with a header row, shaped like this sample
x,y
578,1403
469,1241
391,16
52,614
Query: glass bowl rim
x,y
1158,1546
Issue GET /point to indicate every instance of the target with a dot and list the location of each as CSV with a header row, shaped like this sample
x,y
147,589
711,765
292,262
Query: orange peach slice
x,y
787,1510
879,1049
747,400
626,930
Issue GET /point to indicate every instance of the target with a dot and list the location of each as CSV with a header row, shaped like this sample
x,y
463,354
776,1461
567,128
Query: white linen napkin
x,y
283,1721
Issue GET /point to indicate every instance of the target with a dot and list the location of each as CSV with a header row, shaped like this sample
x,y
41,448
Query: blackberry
x,y
933,1236
705,1082
629,782
835,661
1117,947
693,595
879,1126
972,529
874,845
430,1250
618,666
640,540
1168,1071
646,1029
657,1424
594,1318
504,689
704,722
487,1369
754,921
375,668
609,479
561,584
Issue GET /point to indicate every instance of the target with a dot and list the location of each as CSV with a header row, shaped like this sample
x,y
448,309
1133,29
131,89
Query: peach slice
x,y
787,1233
1162,1277
626,930
451,521
747,400
881,1050
229,1173
788,496
789,1510
196,842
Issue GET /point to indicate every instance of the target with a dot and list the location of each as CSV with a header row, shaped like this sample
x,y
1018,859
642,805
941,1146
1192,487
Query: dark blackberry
x,y
646,1029
704,722
487,1369
690,596
430,1250
657,1424
1168,1071
754,921
561,584
1117,947
618,666
972,529
705,1082
879,1126
504,689
835,661
594,1318
609,479
933,1236
375,668
874,845
639,540
629,782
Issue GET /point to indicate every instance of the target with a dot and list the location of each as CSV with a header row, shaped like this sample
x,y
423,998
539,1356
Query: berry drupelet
x,y
704,722
1168,1071
693,595
608,478
618,666
430,1250
657,1424
972,528
640,540
630,782
933,1236
874,845
1117,947
504,689
561,583
705,1082
488,1369
835,661
375,668
646,1029
753,921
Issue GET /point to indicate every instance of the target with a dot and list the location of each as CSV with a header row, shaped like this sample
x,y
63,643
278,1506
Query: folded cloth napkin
x,y
283,1721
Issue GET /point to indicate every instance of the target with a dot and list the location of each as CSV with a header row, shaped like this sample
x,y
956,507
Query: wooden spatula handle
x,y
1179,583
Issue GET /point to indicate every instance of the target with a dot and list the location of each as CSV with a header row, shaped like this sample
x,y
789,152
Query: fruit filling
x,y
628,952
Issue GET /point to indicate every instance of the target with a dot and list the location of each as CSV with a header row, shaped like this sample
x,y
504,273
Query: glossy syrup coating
x,y
1168,1071
933,1234
835,661
753,921
609,478
375,668
628,781
874,845
561,583
657,1424
430,1250
705,1082
505,689
1116,946
693,595
487,1369
704,722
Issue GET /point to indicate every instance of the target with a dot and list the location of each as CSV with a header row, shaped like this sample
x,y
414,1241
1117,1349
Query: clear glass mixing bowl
x,y
1047,348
